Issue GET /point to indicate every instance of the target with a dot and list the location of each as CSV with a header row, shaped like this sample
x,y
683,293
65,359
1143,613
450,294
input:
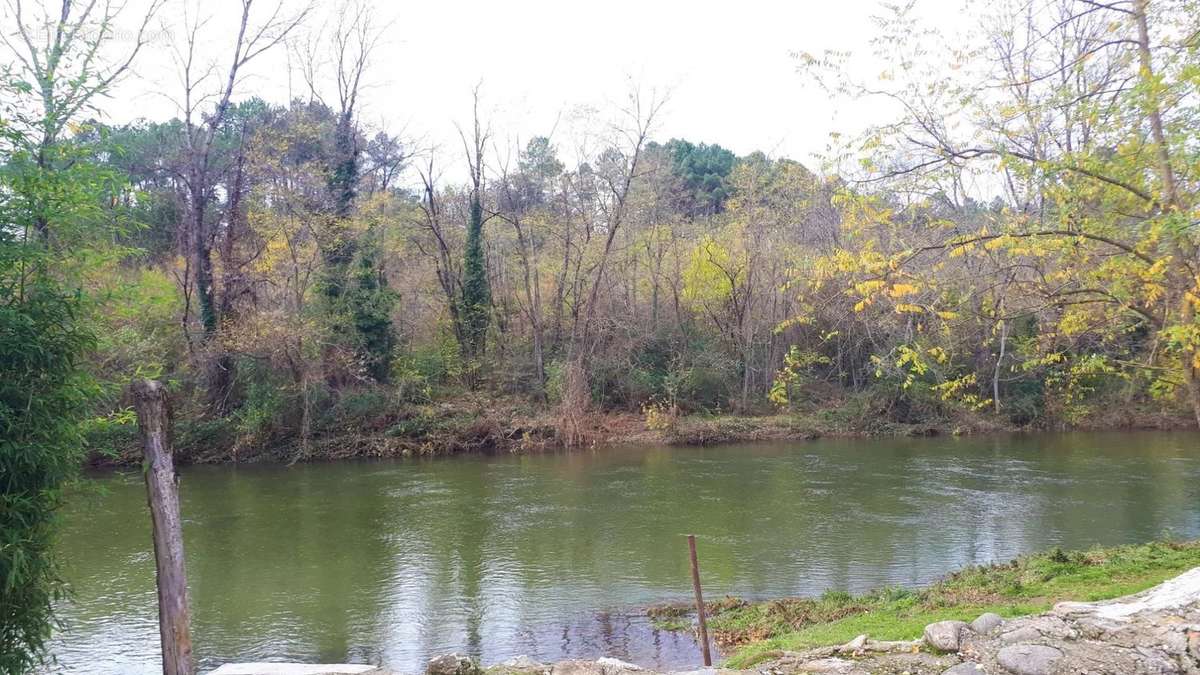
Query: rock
x,y
298,669
1055,627
521,662
945,635
1029,659
1153,660
1021,634
856,645
601,666
830,666
451,664
613,666
986,623
1159,635
576,668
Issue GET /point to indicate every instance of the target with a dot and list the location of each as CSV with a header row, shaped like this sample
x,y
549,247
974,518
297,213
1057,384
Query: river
x,y
553,555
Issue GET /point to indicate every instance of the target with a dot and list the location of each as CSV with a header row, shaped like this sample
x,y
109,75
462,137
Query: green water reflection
x,y
549,555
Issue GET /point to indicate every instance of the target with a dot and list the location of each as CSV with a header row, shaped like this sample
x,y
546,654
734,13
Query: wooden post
x,y
150,401
699,600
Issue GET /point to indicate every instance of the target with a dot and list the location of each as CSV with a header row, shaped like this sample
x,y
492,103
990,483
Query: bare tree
x,y
518,195
202,126
624,158
433,222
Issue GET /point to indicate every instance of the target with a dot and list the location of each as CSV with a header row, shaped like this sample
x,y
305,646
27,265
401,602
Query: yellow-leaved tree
x,y
1045,192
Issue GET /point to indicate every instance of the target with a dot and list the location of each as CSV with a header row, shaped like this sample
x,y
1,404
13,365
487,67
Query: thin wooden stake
x,y
699,599
150,401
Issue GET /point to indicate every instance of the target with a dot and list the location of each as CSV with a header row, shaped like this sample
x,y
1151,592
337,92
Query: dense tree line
x,y
1018,245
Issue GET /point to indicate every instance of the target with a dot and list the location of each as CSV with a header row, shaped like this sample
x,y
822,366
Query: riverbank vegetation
x,y
752,632
1016,248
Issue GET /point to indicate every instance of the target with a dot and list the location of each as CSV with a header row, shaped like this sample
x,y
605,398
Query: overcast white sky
x,y
727,65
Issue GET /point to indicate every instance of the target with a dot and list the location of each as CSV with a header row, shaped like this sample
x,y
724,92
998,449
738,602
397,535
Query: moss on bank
x,y
1029,584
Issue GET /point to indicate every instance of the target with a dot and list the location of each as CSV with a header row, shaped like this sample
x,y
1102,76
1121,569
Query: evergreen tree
x,y
371,302
340,246
703,171
476,293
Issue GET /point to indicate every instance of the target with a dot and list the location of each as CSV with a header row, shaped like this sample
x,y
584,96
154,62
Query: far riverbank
x,y
477,424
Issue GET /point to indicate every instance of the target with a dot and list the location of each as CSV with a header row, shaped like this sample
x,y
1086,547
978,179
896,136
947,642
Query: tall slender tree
x,y
476,304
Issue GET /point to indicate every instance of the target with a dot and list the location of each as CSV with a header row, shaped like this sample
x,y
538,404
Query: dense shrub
x,y
44,397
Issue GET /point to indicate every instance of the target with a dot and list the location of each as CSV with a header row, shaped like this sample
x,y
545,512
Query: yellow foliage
x,y
712,272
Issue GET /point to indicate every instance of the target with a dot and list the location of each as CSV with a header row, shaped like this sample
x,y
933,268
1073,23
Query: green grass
x,y
1027,585
676,625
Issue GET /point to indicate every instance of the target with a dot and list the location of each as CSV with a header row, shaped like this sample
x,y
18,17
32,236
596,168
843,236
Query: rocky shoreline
x,y
1155,632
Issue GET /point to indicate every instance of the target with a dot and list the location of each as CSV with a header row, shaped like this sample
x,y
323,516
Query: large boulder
x,y
1029,659
945,635
451,664
965,668
986,623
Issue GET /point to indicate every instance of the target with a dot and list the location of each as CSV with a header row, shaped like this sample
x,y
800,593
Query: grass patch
x,y
677,625
1027,585
671,616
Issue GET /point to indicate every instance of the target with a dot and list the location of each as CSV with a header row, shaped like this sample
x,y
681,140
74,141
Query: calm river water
x,y
552,555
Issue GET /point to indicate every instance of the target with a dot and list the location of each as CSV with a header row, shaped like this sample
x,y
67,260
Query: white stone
x,y
521,661
1182,590
611,665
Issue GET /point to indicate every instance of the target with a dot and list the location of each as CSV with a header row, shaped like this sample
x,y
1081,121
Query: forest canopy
x,y
1018,245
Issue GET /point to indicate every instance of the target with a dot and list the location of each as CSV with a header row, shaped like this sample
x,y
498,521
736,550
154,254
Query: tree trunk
x,y
150,400
999,361
539,357
1190,377
205,294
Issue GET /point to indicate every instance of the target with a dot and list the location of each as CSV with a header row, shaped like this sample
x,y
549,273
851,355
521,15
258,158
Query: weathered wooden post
x,y
153,412
699,600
